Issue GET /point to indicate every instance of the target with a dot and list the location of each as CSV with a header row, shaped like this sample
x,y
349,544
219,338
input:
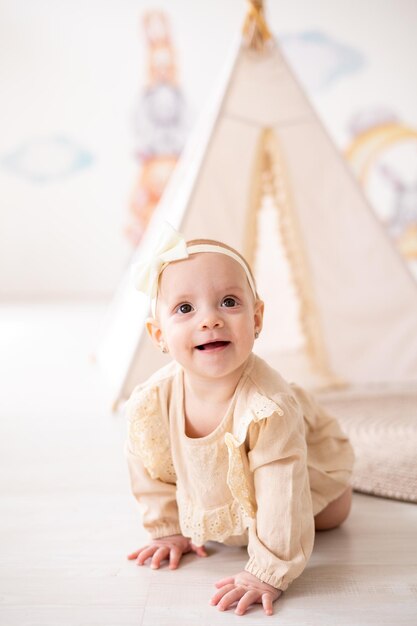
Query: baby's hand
x,y
245,589
171,548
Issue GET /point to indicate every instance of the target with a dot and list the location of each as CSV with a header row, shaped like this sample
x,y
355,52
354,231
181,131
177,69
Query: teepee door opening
x,y
275,284
274,245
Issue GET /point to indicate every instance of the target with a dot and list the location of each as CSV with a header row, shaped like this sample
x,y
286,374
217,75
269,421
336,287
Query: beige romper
x,y
275,460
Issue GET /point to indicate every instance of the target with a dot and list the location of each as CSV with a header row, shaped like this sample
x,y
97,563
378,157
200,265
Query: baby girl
x,y
220,447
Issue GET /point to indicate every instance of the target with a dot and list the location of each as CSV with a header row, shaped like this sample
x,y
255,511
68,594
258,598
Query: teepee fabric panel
x,y
217,205
366,298
263,92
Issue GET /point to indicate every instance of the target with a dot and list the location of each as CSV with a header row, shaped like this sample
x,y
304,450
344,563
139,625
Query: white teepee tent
x,y
356,300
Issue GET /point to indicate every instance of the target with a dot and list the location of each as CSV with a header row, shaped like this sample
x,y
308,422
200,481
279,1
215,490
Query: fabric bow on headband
x,y
171,246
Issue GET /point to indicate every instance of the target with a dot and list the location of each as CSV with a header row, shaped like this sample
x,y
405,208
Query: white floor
x,y
67,519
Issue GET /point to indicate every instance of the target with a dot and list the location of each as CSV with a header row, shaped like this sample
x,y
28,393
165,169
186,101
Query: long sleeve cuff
x,y
265,577
164,530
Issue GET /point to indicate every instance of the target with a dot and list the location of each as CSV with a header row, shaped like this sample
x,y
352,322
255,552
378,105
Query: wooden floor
x,y
67,519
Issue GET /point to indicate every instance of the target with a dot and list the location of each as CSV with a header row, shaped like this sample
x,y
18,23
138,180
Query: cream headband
x,y
170,247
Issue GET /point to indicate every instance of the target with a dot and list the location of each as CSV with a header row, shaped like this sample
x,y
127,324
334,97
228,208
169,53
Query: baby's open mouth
x,y
213,345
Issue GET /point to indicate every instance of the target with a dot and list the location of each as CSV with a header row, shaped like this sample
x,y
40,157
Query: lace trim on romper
x,y
260,408
149,436
218,524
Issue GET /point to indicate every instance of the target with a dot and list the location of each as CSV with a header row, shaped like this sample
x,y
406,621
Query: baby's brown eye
x,y
229,302
184,308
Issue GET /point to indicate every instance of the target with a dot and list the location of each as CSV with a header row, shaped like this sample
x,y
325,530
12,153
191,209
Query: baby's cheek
x,y
177,336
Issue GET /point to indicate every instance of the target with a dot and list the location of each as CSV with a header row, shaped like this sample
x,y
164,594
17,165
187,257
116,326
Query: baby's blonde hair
x,y
214,242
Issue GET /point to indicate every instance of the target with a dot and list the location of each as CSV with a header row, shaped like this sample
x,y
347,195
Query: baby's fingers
x,y
160,554
267,603
231,597
225,581
174,557
135,554
199,550
222,592
250,597
145,554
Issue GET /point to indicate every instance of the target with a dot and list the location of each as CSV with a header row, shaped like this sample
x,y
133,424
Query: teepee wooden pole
x,y
255,31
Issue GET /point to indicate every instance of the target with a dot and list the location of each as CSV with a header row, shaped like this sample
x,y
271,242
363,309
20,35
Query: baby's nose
x,y
211,319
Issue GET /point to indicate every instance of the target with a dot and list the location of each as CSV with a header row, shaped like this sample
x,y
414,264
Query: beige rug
x,y
382,426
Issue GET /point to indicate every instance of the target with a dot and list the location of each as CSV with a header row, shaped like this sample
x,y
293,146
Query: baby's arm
x,y
169,548
153,480
160,518
282,533
281,536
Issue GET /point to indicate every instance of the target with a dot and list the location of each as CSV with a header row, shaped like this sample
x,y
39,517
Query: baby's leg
x,y
335,513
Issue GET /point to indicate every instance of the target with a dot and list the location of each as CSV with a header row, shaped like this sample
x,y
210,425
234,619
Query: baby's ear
x,y
154,331
259,314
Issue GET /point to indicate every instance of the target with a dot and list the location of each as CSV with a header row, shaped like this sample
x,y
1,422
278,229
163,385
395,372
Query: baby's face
x,y
207,314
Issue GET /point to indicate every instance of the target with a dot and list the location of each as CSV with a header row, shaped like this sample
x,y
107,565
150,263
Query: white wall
x,y
73,68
